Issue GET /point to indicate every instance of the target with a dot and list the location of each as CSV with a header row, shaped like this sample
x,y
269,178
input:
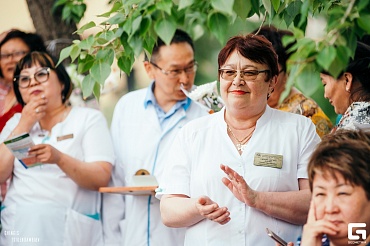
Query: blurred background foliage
x,y
132,26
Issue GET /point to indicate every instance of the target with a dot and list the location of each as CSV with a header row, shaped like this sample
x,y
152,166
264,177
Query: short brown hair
x,y
255,48
346,152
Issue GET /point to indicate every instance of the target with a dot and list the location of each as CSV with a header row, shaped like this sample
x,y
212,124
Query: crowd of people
x,y
223,178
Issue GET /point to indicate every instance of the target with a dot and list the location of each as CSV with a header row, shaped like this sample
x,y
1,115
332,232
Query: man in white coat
x,y
144,125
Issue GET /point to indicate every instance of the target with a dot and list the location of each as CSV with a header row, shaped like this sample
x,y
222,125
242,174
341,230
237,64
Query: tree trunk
x,y
56,33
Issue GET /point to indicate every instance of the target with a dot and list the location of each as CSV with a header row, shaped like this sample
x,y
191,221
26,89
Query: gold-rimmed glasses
x,y
249,75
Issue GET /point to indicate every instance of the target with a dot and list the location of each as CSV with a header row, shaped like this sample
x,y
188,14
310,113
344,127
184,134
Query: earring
x,y
63,97
348,90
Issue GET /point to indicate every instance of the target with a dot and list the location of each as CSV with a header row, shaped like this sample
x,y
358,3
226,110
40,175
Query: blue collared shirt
x,y
163,117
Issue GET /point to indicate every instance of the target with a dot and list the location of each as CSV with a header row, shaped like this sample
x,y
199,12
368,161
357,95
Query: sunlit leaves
x,y
132,26
242,8
217,23
165,29
223,6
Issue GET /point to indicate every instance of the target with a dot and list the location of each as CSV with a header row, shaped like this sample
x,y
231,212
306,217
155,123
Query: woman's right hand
x,y
33,111
210,210
314,229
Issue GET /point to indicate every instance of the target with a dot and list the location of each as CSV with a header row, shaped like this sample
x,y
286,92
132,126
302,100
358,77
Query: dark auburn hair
x,y
42,59
345,152
255,48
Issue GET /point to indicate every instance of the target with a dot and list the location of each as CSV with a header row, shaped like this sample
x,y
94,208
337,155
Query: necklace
x,y
241,143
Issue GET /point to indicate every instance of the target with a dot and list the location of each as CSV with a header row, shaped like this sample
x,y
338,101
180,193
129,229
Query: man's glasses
x,y
177,72
40,76
16,54
249,75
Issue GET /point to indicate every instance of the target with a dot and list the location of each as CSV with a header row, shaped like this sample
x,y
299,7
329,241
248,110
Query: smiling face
x,y
340,202
241,92
336,91
17,48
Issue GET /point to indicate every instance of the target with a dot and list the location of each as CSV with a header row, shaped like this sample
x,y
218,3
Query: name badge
x,y
68,136
268,160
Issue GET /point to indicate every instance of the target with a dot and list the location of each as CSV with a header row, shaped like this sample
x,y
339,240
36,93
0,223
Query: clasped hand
x,y
210,210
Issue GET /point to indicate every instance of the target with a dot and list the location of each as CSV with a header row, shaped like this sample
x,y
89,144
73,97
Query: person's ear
x,y
149,69
348,80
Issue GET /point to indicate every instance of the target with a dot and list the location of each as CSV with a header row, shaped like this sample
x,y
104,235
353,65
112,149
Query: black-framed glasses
x,y
250,75
16,54
40,76
177,72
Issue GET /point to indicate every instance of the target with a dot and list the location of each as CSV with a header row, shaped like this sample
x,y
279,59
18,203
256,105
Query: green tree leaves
x,y
132,26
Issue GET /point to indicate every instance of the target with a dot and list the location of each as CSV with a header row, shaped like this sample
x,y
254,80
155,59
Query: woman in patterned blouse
x,y
349,93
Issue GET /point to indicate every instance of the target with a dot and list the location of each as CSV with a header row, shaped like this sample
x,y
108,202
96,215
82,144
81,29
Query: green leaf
x,y
267,4
107,35
145,25
137,44
275,4
223,6
148,44
136,23
85,64
326,57
218,24
87,86
256,6
185,3
364,22
100,71
117,19
125,63
106,55
165,5
165,29
292,11
75,52
242,8
66,13
64,54
87,43
85,27
96,91
309,79
130,2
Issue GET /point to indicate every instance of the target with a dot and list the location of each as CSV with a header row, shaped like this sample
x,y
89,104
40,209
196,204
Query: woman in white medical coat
x,y
56,201
266,152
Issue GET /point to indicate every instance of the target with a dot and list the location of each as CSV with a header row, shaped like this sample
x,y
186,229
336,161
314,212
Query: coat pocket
x,y
82,230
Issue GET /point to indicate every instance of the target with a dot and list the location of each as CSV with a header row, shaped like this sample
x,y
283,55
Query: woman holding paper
x,y
266,152
54,202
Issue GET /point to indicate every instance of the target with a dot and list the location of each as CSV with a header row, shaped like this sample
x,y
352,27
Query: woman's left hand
x,y
45,153
239,187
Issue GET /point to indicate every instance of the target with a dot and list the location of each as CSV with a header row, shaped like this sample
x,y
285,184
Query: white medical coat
x,y
193,169
140,143
43,205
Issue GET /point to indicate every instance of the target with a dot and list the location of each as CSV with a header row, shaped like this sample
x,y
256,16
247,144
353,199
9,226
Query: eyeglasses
x,y
16,54
177,72
250,75
40,76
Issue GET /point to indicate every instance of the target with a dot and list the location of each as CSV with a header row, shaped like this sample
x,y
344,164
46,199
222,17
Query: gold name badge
x,y
268,160
61,138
